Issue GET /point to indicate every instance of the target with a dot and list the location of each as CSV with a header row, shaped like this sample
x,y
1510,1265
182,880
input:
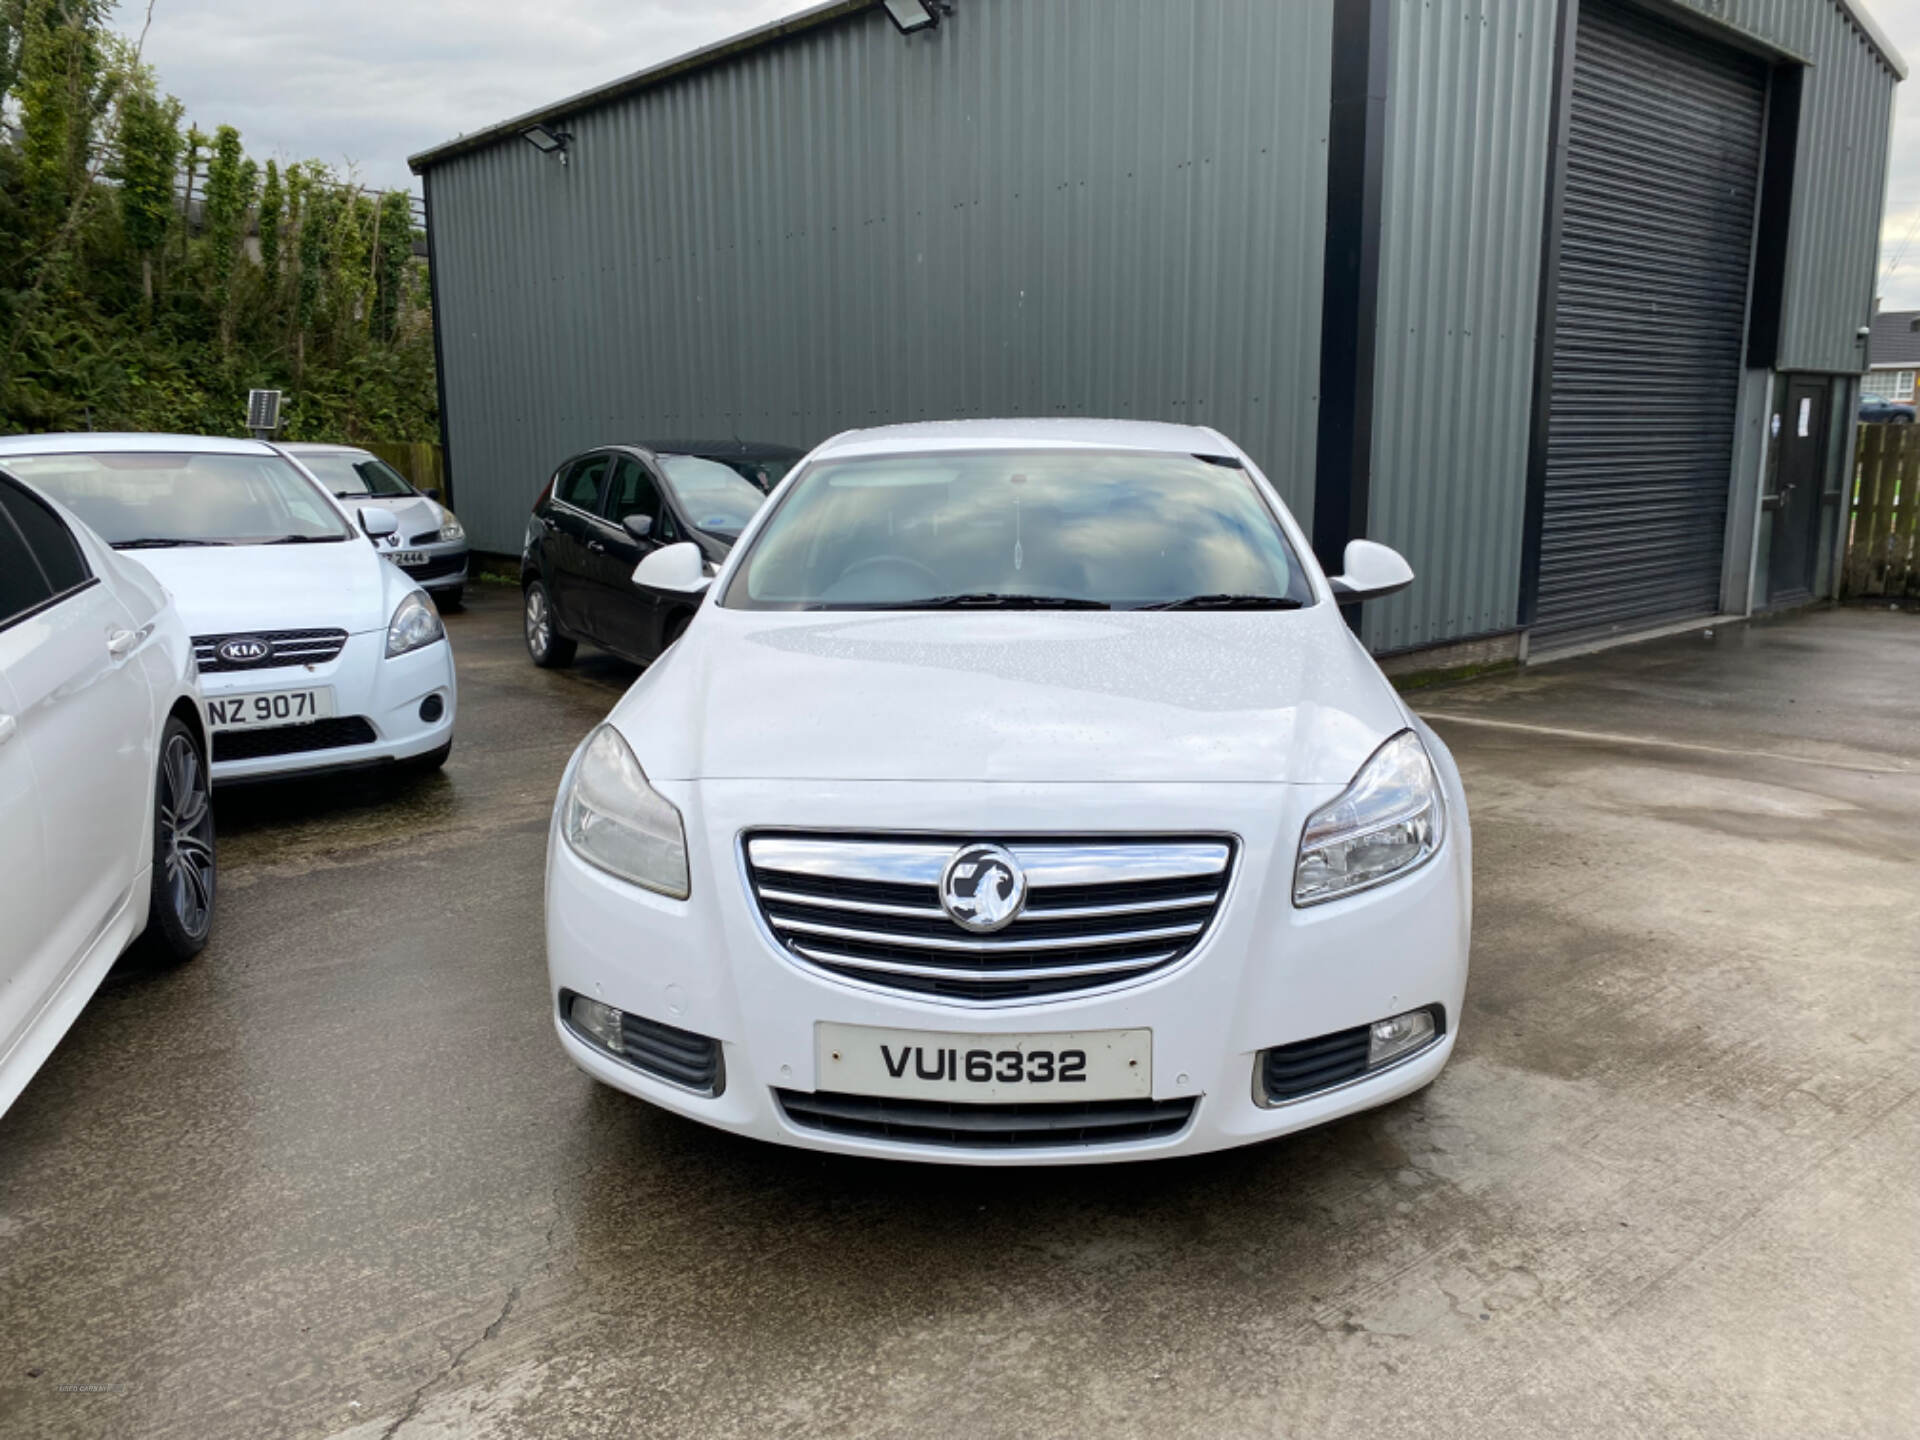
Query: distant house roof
x,y
1895,339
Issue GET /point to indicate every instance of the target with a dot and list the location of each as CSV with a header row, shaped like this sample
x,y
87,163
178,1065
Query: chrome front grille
x,y
1098,912
285,647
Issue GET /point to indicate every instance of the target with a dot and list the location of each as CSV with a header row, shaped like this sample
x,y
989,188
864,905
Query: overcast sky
x,y
365,83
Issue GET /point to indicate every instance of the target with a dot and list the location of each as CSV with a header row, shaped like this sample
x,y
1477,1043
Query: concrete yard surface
x,y
334,1178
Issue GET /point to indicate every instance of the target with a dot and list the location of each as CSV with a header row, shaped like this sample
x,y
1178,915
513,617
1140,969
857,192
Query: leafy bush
x,y
149,277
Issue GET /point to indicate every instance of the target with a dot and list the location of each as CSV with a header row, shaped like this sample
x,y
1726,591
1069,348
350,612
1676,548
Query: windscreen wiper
x,y
298,540
1227,602
156,542
994,600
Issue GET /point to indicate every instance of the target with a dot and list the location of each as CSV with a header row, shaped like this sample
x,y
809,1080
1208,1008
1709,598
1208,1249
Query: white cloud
x,y
368,82
1900,235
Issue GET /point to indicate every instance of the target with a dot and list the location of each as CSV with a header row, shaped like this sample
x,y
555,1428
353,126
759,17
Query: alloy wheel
x,y
539,622
186,834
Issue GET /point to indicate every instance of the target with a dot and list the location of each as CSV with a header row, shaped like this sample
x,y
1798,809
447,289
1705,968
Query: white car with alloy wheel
x,y
106,823
315,654
1082,827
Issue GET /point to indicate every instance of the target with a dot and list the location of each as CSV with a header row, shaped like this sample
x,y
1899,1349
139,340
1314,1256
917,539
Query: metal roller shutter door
x,y
1663,160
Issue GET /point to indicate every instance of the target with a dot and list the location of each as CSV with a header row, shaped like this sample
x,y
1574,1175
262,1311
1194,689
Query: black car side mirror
x,y
432,492
640,527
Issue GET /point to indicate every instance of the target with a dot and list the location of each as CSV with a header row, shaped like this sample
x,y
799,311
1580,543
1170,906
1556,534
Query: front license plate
x,y
935,1065
404,558
278,707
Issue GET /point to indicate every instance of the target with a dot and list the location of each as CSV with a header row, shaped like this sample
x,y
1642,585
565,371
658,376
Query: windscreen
x,y
714,497
763,475
1073,528
154,500
353,477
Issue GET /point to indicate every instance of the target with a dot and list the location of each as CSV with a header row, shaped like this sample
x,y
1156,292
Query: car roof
x,y
315,447
722,449
81,442
1035,433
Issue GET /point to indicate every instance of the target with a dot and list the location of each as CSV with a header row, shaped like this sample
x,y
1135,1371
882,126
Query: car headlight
x,y
415,623
1387,822
453,529
613,819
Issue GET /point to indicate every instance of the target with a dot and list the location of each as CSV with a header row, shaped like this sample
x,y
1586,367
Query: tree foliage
x,y
149,278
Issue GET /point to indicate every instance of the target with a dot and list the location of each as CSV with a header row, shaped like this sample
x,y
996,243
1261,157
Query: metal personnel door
x,y
1663,163
1799,476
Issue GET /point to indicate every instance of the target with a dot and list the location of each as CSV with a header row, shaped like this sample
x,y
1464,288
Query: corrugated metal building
x,y
1565,299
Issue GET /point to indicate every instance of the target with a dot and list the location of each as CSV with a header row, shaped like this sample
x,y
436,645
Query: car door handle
x,y
7,727
120,643
596,547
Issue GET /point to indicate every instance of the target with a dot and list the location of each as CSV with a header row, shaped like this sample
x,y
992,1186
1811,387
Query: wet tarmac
x,y
335,1177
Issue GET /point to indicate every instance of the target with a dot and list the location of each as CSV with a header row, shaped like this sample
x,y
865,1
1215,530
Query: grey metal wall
x,y
1846,116
1109,207
1463,205
1467,127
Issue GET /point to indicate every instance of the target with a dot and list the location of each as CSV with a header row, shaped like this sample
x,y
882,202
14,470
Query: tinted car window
x,y
632,492
48,538
22,583
580,486
1112,529
763,475
715,497
352,476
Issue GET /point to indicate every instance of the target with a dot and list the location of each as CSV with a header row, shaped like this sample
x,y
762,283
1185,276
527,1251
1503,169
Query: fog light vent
x,y
432,708
679,1057
596,1022
1312,1067
1390,1039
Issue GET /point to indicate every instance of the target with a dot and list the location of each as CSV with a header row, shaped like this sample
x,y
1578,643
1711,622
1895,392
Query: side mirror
x,y
1372,570
432,492
378,522
640,527
679,567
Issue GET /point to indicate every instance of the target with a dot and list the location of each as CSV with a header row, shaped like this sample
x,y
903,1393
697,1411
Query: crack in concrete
x,y
542,1262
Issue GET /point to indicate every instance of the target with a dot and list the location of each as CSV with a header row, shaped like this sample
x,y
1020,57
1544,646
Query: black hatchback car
x,y
604,510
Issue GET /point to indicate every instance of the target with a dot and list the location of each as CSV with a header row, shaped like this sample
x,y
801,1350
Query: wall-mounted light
x,y
912,15
548,142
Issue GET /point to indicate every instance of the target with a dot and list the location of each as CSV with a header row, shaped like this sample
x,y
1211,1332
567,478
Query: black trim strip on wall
x,y
1565,38
1767,298
1350,285
447,496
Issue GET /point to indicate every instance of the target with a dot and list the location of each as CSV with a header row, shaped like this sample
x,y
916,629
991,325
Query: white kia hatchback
x,y
106,823
315,654
1083,827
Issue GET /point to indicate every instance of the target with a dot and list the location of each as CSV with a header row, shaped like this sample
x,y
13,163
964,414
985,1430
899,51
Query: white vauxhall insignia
x,y
1084,828
314,653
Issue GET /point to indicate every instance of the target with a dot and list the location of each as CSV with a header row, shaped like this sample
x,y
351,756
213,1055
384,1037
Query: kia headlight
x,y
414,624
614,820
1389,821
452,529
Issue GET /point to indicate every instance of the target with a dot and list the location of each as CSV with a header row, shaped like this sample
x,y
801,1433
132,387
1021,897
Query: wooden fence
x,y
1882,553
421,461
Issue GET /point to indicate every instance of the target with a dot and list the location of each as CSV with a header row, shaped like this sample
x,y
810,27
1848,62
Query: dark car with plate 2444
x,y
603,510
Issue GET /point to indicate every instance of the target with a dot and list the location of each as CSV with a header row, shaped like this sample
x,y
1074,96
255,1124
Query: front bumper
x,y
1265,975
386,693
444,568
